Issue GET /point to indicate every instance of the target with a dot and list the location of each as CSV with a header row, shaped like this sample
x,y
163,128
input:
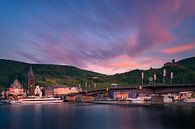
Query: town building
x,y
58,91
49,91
170,64
123,95
15,91
31,82
38,91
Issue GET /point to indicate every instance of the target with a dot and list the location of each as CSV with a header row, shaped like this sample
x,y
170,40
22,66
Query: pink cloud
x,y
124,63
132,39
179,10
155,30
119,45
178,49
158,31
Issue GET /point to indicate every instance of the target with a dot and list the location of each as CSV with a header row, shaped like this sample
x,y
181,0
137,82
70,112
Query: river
x,y
95,116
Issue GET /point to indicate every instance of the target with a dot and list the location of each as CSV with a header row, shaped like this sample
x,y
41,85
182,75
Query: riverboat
x,y
139,99
37,100
190,100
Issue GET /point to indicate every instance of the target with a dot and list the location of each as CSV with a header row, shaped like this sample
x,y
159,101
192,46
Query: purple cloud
x,y
93,33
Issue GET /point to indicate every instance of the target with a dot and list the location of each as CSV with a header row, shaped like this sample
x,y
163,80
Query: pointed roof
x,y
30,72
16,84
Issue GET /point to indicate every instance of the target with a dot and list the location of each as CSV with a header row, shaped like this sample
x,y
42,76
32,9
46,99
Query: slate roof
x,y
16,84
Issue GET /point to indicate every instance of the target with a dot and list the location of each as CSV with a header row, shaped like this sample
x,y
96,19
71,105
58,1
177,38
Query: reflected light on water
x,y
92,116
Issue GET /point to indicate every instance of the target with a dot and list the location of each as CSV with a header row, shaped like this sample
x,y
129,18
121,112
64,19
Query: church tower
x,y
31,82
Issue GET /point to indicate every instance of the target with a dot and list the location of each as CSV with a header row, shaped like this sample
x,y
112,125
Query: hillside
x,y
45,74
50,75
184,72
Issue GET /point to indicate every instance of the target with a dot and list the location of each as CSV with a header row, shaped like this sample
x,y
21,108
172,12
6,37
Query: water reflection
x,y
91,116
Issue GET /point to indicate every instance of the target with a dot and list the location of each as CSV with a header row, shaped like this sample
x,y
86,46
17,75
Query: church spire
x,y
30,73
31,81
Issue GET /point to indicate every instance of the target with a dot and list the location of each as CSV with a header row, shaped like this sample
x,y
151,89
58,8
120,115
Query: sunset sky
x,y
106,36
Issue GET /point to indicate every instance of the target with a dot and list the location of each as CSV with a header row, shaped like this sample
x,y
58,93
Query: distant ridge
x,y
64,75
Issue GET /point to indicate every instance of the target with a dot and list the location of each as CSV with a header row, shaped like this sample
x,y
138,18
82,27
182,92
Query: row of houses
x,y
16,91
58,91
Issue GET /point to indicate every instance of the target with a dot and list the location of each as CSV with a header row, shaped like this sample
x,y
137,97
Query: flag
x,y
154,77
164,73
142,75
171,75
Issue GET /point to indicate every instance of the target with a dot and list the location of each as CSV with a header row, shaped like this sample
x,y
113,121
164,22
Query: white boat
x,y
37,100
139,99
167,99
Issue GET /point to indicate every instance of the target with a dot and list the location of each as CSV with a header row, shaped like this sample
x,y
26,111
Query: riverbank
x,y
116,102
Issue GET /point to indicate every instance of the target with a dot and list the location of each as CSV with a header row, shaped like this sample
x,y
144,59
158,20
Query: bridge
x,y
155,90
160,89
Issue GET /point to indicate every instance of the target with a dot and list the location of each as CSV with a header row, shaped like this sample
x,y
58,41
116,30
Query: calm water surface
x,y
92,116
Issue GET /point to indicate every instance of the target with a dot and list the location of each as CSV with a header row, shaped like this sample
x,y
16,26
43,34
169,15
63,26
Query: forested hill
x,y
184,73
52,75
45,74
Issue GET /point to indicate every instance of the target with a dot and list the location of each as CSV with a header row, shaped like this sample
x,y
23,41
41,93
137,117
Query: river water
x,y
94,116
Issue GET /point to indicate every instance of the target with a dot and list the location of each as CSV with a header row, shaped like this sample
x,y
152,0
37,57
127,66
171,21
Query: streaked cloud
x,y
104,36
179,49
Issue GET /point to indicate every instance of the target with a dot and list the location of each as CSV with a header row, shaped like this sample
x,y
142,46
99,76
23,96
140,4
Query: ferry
x,y
37,100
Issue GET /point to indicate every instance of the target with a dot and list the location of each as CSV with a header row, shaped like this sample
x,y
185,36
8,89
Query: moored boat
x,y
167,99
190,100
139,99
37,100
4,101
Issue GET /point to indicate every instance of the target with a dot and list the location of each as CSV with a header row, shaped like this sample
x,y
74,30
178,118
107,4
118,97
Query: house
x,y
15,91
59,91
49,91
121,95
38,91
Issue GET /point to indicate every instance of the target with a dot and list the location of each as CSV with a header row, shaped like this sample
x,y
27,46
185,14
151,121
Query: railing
x,y
145,86
161,84
134,87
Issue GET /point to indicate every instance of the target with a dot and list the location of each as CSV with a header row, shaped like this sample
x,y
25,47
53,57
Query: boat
x,y
167,99
4,101
190,100
37,100
139,99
